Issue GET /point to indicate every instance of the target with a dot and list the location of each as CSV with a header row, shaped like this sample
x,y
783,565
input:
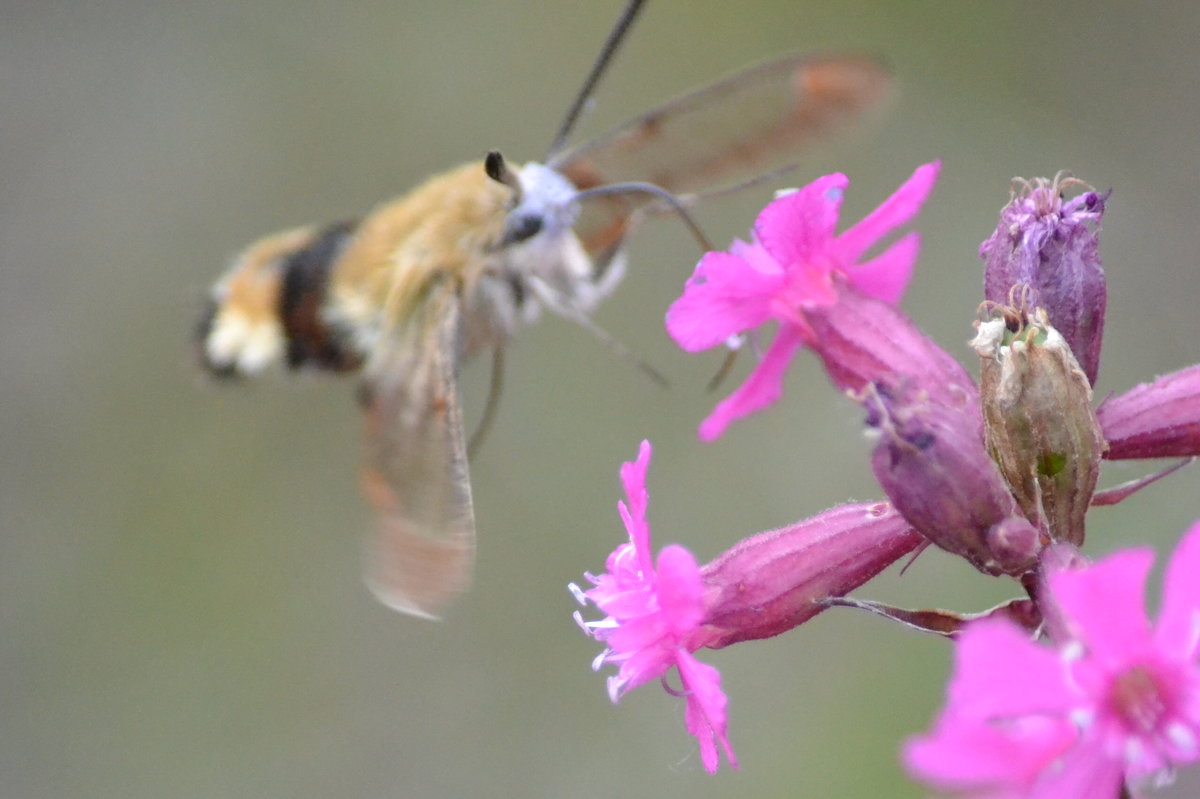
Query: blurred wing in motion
x,y
750,124
415,471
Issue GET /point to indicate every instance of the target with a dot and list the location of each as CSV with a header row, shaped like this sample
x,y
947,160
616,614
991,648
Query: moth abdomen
x,y
269,307
312,339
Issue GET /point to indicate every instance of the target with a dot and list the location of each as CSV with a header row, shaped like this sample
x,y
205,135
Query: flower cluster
x,y
1001,472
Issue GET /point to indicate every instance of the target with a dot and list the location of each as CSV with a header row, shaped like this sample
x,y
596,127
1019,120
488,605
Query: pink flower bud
x,y
1155,420
771,582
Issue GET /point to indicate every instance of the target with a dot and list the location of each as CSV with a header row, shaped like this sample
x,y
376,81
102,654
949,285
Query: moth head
x,y
542,199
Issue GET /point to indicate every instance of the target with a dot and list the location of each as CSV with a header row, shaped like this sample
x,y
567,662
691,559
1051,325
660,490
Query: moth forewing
x,y
415,471
752,122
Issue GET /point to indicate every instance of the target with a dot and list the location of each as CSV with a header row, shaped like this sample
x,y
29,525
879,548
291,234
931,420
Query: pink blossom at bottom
x,y
1126,690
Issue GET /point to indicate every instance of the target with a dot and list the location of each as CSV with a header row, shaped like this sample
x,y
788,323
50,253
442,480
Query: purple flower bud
x,y
1013,542
1045,254
772,582
1040,427
932,464
1155,420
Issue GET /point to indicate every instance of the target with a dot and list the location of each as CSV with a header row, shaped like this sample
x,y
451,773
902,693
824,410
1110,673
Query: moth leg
x,y
723,370
492,405
559,305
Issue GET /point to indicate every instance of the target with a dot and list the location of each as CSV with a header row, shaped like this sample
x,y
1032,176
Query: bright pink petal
x,y
725,296
1084,772
962,755
1000,673
641,636
706,716
642,666
886,276
633,480
800,224
896,210
1179,618
753,253
761,388
1104,604
680,590
623,604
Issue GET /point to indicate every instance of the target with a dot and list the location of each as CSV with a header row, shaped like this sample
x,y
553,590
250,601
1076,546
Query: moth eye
x,y
520,228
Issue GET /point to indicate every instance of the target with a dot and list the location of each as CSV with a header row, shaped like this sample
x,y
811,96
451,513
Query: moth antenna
x,y
677,204
552,300
498,170
607,51
493,404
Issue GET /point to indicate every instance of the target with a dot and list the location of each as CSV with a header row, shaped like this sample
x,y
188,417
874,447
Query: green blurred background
x,y
182,612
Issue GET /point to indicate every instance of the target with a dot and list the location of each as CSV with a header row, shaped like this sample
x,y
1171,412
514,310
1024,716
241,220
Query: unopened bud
x,y
1155,420
773,581
932,464
1045,253
1039,423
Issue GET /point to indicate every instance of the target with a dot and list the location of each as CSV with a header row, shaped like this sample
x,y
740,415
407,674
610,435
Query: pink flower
x,y
1130,690
789,268
658,613
654,612
997,761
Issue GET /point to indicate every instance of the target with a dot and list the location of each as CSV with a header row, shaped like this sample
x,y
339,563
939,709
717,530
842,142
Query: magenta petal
x,y
1084,772
633,480
643,665
761,388
623,605
800,223
902,206
680,591
706,715
962,755
886,276
1104,604
1179,618
1000,673
726,295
